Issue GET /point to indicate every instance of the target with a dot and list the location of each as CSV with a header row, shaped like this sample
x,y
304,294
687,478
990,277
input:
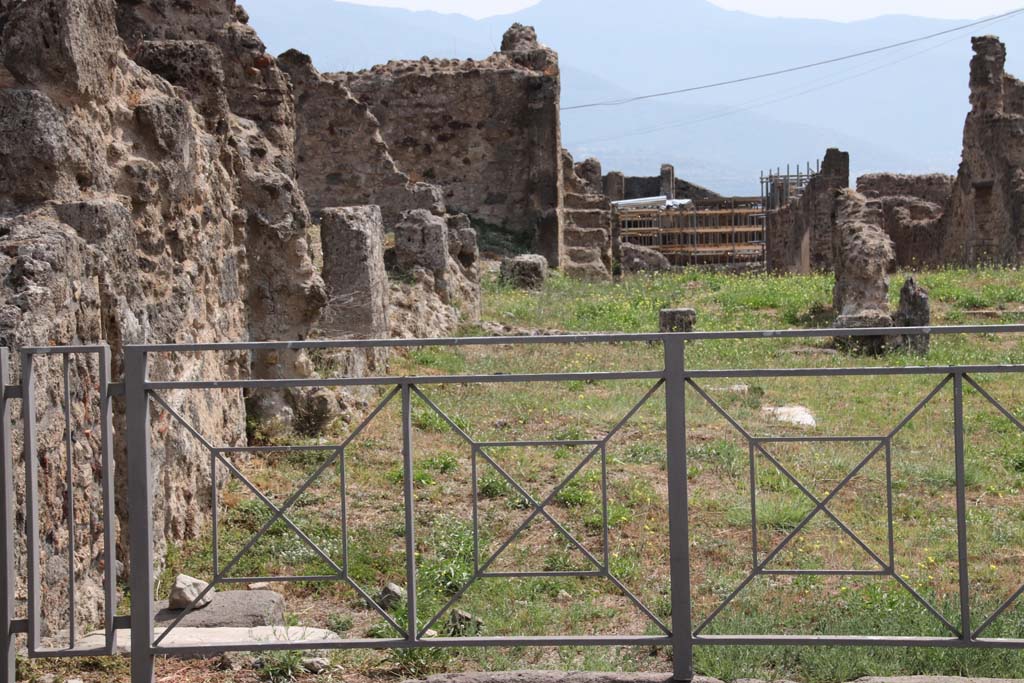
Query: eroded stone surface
x,y
638,259
486,131
983,218
145,201
229,609
528,271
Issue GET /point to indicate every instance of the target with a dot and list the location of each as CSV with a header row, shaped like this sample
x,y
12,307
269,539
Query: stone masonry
x,y
863,255
487,132
985,214
147,194
587,237
799,232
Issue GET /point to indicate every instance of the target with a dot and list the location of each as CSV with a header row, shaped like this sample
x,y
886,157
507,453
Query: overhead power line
x,y
785,95
803,67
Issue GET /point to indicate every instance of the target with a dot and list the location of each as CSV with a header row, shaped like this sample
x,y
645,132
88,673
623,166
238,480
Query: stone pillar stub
x,y
615,186
668,181
357,284
677,319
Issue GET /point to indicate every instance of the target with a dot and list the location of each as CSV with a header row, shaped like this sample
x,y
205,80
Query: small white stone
x,y
794,415
260,586
316,665
185,590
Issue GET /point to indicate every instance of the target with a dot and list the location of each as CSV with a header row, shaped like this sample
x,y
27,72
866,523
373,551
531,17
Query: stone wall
x,y
863,257
985,214
913,210
486,131
638,187
146,195
799,232
587,252
340,157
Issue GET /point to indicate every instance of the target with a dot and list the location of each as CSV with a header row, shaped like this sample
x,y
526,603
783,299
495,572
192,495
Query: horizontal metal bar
x,y
279,579
389,381
539,444
278,449
402,644
816,439
12,391
578,338
122,621
851,372
862,641
58,350
534,575
115,389
19,626
69,653
824,572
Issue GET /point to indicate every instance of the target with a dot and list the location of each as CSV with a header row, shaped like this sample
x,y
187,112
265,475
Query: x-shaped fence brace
x,y
279,513
760,566
337,456
602,568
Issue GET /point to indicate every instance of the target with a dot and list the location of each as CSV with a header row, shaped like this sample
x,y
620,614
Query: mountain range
x,y
900,110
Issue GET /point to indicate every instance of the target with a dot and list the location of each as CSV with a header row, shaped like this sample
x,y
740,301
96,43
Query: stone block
x,y
357,284
240,609
528,271
677,319
915,311
421,240
638,259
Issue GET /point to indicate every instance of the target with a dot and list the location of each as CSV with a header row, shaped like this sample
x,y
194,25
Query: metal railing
x,y
674,380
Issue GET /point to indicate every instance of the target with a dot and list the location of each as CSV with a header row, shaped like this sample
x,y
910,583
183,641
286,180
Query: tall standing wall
x,y
487,132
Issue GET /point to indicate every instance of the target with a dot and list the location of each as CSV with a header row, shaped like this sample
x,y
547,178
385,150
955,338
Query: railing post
x,y
7,578
140,517
678,506
961,505
410,516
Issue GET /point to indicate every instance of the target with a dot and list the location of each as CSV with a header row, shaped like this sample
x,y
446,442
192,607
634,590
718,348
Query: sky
x,y
837,10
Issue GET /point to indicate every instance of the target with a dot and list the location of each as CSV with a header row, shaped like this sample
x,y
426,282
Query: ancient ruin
x,y
164,179
487,132
973,218
152,174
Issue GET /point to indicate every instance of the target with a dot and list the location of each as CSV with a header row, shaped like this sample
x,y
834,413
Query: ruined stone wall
x,y
799,232
340,157
863,257
588,249
487,132
637,187
913,209
986,211
147,194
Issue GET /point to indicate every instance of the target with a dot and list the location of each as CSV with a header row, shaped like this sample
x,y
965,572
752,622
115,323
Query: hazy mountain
x,y
901,110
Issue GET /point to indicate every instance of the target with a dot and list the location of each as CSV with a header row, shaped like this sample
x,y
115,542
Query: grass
x,y
447,557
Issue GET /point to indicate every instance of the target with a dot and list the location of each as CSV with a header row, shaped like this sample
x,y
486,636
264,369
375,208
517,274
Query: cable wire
x,y
804,67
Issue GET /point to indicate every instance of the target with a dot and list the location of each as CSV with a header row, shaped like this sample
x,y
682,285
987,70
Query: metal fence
x,y
678,383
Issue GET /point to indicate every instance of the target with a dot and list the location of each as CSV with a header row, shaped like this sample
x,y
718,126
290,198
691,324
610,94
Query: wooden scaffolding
x,y
717,232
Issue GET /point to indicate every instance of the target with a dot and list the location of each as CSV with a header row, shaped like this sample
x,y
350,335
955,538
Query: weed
x,y
444,463
339,623
282,666
450,565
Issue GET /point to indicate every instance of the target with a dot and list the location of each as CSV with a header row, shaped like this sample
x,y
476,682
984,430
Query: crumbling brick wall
x,y
986,210
487,132
340,157
913,209
799,232
638,187
146,195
